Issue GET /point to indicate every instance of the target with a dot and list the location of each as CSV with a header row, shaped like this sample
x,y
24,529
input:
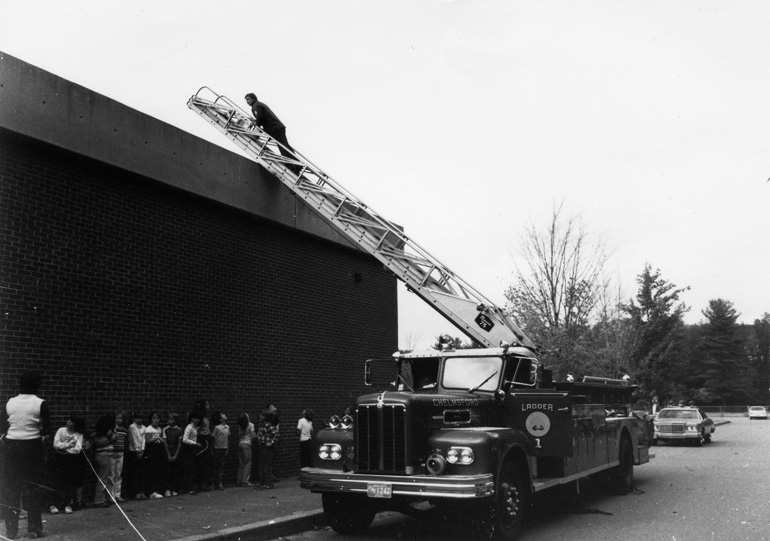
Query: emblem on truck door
x,y
538,424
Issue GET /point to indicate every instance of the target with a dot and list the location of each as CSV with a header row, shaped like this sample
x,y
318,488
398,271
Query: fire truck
x,y
479,431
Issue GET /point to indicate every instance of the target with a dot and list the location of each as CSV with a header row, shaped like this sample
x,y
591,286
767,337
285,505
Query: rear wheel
x,y
347,513
622,477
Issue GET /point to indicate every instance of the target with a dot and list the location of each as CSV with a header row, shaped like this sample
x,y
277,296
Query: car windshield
x,y
471,372
678,414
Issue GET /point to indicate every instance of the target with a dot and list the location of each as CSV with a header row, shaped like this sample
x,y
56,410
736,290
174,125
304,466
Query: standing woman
x,y
25,423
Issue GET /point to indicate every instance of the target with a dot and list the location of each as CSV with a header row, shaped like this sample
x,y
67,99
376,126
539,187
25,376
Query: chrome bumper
x,y
422,486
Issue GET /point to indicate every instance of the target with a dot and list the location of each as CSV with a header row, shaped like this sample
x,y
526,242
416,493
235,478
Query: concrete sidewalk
x,y
219,515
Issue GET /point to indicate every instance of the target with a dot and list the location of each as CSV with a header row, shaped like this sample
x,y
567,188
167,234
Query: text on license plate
x,y
379,490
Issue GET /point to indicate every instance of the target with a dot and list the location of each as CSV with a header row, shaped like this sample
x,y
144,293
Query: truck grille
x,y
671,428
381,438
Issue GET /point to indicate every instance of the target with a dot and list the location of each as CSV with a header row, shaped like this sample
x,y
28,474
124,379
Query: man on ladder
x,y
266,119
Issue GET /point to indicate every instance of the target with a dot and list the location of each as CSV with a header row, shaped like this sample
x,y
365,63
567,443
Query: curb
x,y
268,529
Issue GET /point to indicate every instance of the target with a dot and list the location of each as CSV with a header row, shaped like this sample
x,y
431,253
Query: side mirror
x,y
368,372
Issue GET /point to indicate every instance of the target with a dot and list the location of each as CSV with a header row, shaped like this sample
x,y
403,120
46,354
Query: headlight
x,y
335,422
346,422
330,451
460,455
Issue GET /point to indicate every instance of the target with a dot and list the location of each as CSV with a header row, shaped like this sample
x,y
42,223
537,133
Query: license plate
x,y
379,490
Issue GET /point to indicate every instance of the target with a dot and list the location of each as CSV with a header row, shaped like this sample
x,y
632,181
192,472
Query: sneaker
x,y
119,499
39,534
167,494
54,510
156,496
193,493
68,510
174,493
247,484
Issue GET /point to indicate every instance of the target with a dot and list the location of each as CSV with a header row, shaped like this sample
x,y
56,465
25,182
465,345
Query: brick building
x,y
142,268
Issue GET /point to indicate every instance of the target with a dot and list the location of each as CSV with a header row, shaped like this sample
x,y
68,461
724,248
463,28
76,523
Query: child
x,y
268,437
221,434
246,435
305,432
190,449
172,440
70,465
104,440
136,454
154,457
118,454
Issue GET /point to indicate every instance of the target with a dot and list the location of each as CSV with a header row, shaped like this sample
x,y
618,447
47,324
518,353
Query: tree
x,y
556,291
758,349
655,317
729,377
445,341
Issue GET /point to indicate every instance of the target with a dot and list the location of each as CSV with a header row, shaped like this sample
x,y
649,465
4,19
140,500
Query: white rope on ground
x,y
109,492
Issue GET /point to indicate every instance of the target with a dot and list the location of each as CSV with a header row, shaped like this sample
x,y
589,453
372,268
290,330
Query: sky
x,y
465,121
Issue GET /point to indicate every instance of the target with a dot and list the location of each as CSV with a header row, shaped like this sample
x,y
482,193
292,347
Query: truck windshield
x,y
469,372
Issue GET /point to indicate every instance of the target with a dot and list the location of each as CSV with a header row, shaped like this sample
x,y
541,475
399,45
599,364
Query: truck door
x,y
546,419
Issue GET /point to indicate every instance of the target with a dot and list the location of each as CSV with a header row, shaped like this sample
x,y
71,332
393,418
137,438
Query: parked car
x,y
757,412
683,424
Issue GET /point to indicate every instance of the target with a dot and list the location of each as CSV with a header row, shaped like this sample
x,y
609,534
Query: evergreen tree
x,y
728,375
758,348
656,316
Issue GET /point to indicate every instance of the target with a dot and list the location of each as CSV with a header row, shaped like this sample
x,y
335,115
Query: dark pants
x,y
187,456
22,473
135,467
266,465
204,465
70,470
155,467
175,472
219,465
286,150
305,453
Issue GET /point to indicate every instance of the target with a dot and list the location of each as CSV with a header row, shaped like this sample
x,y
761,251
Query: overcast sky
x,y
463,121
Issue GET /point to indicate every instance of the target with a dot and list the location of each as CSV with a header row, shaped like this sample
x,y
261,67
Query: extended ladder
x,y
423,274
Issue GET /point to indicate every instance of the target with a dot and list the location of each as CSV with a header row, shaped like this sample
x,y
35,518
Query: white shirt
x,y
306,429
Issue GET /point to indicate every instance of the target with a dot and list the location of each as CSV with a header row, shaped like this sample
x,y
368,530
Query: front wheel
x,y
502,515
347,513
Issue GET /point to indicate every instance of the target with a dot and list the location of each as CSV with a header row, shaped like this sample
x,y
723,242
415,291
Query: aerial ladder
x,y
471,312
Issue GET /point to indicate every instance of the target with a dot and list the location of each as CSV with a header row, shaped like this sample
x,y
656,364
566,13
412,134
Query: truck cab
x,y
485,426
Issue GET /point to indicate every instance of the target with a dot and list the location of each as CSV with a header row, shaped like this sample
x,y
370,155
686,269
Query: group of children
x,y
159,461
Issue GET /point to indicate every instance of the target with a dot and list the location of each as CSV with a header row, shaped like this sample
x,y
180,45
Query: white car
x,y
757,412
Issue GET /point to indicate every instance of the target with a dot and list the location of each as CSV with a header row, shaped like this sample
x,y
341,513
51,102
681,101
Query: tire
x,y
347,513
701,439
623,474
503,514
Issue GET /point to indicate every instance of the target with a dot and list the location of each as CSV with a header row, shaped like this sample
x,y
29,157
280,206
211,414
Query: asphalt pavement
x,y
236,513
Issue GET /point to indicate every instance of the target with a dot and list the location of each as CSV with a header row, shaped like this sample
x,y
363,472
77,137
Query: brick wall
x,y
129,294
